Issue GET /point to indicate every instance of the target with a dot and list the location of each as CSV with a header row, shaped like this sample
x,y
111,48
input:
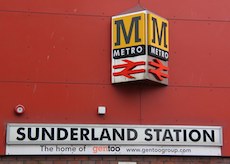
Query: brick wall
x,y
111,160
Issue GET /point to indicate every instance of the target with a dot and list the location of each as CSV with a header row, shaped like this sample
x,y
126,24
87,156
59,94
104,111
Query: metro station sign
x,y
113,139
140,48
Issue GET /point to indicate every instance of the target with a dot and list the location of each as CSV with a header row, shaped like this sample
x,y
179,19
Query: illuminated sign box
x,y
140,47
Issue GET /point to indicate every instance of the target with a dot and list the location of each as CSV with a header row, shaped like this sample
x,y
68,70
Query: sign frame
x,y
149,65
115,148
140,129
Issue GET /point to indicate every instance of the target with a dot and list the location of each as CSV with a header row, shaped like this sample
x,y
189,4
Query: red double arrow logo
x,y
158,72
128,68
130,65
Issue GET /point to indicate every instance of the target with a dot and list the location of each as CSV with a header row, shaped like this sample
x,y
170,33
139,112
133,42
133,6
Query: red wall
x,y
55,59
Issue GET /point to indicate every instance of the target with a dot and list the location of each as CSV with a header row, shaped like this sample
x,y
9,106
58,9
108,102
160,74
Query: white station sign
x,y
113,139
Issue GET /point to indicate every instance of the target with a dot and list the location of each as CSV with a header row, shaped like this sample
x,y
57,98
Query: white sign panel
x,y
111,150
122,139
